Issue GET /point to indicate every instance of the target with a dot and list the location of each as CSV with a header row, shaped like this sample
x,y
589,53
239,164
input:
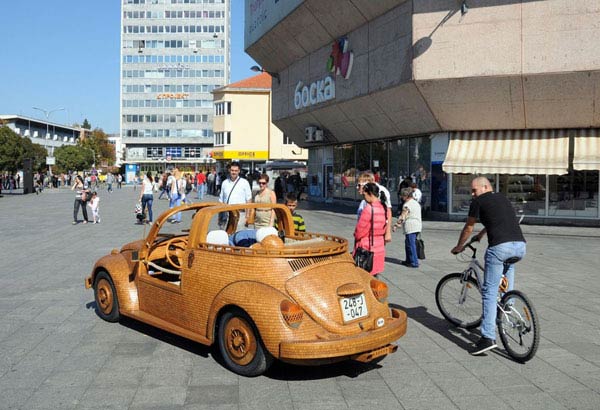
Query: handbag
x,y
420,247
363,258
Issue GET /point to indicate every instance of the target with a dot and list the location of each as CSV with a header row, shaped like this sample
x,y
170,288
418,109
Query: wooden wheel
x,y
175,248
106,298
240,345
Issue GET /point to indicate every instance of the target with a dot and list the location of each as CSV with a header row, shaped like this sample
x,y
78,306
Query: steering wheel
x,y
175,248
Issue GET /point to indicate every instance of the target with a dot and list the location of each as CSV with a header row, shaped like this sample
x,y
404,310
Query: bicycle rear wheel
x,y
459,301
518,326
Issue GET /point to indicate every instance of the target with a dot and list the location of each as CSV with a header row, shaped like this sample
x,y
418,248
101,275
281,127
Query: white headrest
x,y
262,233
218,237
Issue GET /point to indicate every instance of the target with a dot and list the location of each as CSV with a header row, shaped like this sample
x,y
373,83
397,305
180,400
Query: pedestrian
x,y
505,240
371,227
147,196
368,177
200,185
119,181
416,193
81,193
291,201
94,204
263,217
210,179
177,190
165,185
235,190
110,179
410,220
188,184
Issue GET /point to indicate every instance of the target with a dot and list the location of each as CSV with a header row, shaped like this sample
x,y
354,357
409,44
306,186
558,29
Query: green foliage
x,y
86,124
73,158
14,148
103,150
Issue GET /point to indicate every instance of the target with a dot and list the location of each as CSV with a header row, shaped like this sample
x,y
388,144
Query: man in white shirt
x,y
235,190
416,193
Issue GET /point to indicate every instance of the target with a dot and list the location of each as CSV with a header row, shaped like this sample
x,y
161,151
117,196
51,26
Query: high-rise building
x,y
173,54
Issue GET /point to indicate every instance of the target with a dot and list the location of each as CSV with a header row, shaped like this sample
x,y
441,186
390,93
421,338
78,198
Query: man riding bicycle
x,y
505,240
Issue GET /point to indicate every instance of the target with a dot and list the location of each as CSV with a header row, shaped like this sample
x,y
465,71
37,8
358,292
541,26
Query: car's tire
x,y
107,303
240,344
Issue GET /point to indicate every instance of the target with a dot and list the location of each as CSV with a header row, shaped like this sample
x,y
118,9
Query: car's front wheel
x,y
106,297
240,345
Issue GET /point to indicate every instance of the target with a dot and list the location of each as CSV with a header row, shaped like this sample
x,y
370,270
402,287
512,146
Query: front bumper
x,y
347,346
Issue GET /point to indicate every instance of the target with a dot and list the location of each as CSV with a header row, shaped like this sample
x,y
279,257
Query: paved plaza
x,y
56,353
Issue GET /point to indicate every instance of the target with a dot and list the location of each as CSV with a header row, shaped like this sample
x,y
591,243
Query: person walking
x,y
110,179
176,190
505,240
200,185
147,196
81,193
235,190
371,228
263,217
368,177
410,220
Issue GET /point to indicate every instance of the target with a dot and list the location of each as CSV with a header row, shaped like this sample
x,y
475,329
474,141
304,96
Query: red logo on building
x,y
340,60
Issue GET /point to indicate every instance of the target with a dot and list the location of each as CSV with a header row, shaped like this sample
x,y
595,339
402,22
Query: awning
x,y
587,150
508,152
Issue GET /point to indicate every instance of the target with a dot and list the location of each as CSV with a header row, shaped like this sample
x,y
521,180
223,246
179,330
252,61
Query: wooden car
x,y
292,296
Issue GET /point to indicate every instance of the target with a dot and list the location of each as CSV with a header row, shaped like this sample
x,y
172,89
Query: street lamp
x,y
262,70
47,115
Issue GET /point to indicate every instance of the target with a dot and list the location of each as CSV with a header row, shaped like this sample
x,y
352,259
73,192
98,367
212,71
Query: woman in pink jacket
x,y
362,232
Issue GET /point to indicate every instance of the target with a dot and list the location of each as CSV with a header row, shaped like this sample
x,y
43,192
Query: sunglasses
x,y
262,183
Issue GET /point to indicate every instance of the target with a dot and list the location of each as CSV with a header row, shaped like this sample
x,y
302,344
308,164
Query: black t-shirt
x,y
496,213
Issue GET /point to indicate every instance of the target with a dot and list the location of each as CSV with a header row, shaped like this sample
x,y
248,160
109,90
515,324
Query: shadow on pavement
x,y
290,372
460,337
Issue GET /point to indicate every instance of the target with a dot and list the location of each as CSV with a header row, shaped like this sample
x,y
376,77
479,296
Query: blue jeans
x,y
410,248
147,200
494,265
201,190
175,201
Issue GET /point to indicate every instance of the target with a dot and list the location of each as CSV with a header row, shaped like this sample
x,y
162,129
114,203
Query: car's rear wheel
x,y
106,297
240,345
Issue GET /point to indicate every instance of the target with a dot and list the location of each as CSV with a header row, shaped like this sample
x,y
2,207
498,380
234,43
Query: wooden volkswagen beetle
x,y
296,297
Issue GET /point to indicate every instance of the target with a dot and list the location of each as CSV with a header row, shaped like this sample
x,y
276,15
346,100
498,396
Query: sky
x,y
65,54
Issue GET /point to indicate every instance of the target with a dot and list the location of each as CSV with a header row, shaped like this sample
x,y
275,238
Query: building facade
x,y
441,91
243,128
47,134
173,54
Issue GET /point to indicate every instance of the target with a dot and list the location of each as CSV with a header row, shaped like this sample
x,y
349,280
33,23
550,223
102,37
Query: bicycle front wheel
x,y
459,300
518,326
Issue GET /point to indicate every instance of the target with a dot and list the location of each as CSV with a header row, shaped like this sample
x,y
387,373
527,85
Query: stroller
x,y
139,214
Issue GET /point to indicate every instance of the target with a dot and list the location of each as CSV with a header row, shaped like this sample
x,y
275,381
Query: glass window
x,y
344,172
527,193
574,194
461,190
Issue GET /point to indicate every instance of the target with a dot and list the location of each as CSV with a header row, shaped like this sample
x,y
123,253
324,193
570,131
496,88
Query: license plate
x,y
354,307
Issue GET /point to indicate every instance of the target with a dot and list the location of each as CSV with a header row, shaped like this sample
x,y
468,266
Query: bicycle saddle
x,y
512,260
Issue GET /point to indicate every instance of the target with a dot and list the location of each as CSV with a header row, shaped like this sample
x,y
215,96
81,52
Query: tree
x,y
86,124
14,148
73,158
104,151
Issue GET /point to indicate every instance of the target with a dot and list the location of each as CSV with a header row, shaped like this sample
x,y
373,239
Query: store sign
x,y
172,96
340,62
315,93
136,153
341,59
248,155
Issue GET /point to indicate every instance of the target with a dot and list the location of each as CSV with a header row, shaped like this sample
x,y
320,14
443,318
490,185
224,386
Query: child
x,y
94,205
291,201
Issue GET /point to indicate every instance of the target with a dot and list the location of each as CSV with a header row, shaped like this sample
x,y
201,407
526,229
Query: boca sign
x,y
340,62
315,93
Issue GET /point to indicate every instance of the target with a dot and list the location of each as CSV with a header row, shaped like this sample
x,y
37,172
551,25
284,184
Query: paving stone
x,y
117,397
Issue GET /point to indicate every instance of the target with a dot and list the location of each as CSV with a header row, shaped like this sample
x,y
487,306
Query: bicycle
x,y
458,297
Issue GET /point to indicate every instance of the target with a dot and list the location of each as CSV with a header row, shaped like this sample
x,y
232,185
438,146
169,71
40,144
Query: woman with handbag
x,y
370,231
81,198
263,217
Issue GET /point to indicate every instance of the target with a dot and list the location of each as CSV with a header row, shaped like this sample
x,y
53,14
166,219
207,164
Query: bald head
x,y
480,185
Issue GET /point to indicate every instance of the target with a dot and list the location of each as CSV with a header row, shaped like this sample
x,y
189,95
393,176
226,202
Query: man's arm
x,y
464,235
388,228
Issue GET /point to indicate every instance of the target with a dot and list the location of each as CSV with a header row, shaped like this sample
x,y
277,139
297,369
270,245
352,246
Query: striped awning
x,y
587,150
508,152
